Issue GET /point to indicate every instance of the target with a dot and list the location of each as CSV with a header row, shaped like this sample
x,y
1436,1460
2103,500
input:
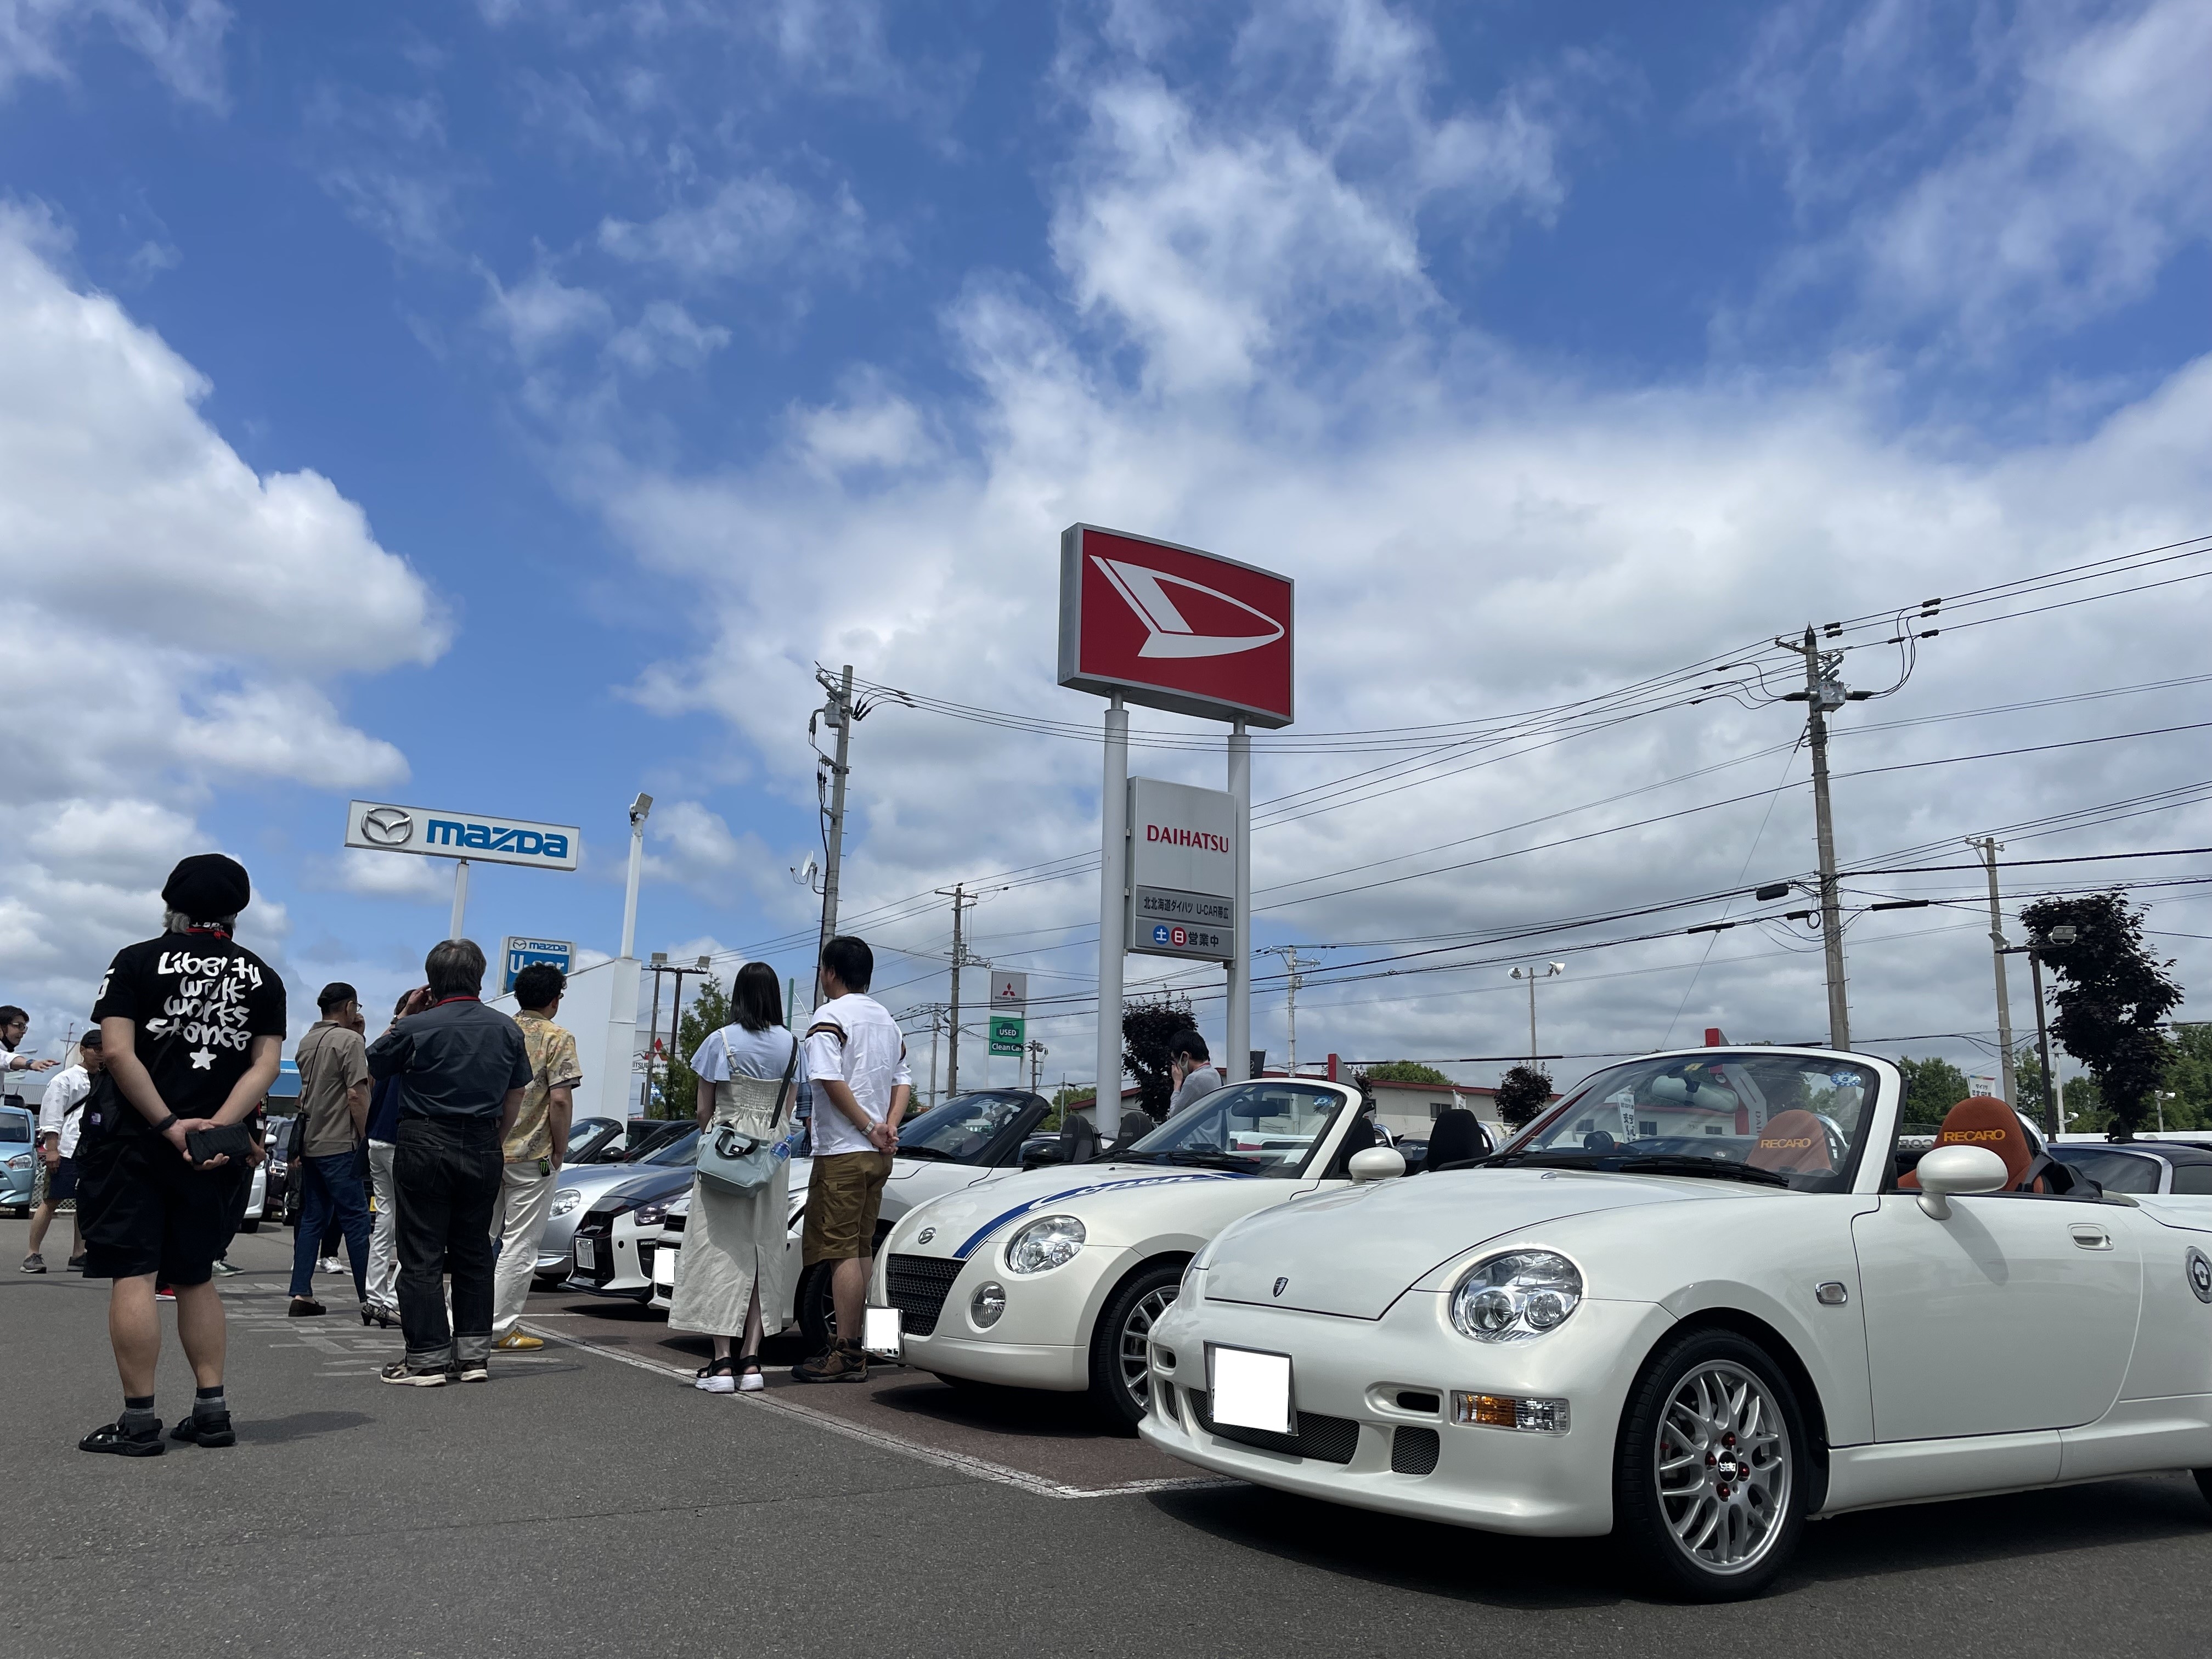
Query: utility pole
x,y
963,901
1823,694
839,714
1551,969
1293,964
2054,1099
1037,1052
1989,846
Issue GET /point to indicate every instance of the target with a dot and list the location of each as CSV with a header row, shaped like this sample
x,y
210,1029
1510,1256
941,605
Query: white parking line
x,y
980,1468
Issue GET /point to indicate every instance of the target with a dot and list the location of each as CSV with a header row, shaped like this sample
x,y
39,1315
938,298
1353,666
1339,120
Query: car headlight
x,y
1043,1245
1513,1297
566,1200
650,1215
22,1163
988,1304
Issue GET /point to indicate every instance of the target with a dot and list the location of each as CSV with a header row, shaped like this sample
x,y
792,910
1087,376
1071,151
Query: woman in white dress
x,y
733,1263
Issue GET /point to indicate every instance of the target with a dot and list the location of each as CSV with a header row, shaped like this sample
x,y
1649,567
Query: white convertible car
x,y
1693,1305
968,1140
1052,1279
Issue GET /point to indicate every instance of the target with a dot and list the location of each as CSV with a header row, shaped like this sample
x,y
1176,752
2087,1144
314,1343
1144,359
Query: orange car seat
x,y
1793,1143
1983,1121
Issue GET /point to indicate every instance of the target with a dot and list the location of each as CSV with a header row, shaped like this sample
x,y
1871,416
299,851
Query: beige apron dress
x,y
732,1242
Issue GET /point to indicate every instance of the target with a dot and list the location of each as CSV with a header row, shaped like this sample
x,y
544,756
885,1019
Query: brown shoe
x,y
304,1307
841,1361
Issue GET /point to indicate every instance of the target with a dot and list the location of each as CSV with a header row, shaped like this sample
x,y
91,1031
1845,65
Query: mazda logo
x,y
1279,1284
387,826
925,1235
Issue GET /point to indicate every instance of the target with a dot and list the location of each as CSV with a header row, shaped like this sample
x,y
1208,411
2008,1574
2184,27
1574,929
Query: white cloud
x,y
665,336
175,621
539,313
747,228
2052,185
389,875
182,43
694,847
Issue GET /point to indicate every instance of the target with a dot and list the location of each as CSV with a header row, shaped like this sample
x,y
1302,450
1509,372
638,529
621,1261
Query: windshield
x,y
13,1126
683,1148
1270,1127
1775,1119
963,1129
2116,1172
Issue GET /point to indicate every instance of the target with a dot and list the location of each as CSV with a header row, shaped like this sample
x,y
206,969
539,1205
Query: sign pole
x,y
1239,1057
1112,897
460,897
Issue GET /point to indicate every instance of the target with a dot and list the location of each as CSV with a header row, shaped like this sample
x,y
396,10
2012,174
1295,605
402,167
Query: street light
x,y
1532,973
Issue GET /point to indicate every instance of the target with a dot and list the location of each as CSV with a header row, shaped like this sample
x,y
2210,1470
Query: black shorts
x,y
61,1181
143,1209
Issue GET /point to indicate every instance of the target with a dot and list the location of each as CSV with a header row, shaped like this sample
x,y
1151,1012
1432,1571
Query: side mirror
x,y
1950,1169
1038,1157
1376,1164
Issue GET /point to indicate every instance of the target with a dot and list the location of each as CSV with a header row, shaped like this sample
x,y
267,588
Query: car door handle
x,y
2090,1238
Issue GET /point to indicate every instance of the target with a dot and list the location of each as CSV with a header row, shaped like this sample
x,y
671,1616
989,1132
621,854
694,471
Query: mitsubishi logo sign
x,y
1171,626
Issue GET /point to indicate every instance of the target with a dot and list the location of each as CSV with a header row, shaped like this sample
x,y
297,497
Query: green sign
x,y
1008,1032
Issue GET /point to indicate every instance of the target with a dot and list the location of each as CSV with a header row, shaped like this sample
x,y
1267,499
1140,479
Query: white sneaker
x,y
328,1264
720,1382
751,1383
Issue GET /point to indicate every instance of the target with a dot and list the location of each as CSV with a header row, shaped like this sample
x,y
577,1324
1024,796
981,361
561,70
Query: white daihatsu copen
x,y
1052,1279
1698,1301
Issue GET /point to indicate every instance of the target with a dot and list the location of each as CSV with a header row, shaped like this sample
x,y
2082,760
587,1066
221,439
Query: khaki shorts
x,y
842,1196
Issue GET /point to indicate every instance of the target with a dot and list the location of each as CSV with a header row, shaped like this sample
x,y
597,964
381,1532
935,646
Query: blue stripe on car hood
x,y
1051,1198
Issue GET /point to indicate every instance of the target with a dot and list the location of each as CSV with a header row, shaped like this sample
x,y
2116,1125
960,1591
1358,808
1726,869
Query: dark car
x,y
2140,1166
280,1203
594,1140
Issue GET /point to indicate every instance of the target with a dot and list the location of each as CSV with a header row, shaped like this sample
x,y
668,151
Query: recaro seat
x,y
1984,1120
1457,1134
1794,1142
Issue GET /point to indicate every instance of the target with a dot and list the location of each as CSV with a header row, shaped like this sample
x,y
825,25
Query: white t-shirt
x,y
735,1052
57,1113
854,1040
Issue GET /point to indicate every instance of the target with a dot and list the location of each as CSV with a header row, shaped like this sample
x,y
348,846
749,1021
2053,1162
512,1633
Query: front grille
x,y
918,1286
1414,1451
675,1223
1331,1439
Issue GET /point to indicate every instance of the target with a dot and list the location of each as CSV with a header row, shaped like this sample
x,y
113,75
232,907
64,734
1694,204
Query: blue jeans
x,y
329,1187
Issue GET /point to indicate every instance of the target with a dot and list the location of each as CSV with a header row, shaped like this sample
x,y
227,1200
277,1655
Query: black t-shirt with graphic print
x,y
198,1000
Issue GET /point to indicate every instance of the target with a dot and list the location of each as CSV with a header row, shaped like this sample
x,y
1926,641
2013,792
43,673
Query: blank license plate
x,y
1252,1390
880,1331
585,1258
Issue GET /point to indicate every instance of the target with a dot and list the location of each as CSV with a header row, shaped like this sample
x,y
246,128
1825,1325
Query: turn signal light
x,y
1505,1410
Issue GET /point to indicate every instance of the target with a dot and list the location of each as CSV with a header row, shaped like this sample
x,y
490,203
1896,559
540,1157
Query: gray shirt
x,y
1201,1082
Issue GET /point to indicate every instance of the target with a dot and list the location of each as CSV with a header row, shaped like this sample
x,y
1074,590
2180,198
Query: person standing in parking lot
x,y
13,1023
462,1068
333,1065
533,1148
734,1257
61,1117
1191,1070
193,1027
382,1296
856,1059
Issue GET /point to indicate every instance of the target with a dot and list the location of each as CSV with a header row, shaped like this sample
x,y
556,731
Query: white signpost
x,y
1182,871
431,832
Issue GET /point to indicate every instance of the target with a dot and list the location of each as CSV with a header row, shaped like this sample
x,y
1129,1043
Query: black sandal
x,y
715,1376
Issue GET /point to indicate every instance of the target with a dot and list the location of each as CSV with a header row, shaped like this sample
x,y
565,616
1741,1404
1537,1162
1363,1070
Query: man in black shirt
x,y
462,1067
192,1025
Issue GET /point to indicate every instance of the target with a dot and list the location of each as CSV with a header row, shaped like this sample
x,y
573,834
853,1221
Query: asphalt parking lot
x,y
585,1501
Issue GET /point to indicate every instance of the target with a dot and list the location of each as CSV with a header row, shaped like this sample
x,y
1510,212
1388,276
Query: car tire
x,y
1121,1368
2203,1482
1711,1469
817,1309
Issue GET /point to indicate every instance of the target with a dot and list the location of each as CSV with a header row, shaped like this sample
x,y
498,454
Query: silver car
x,y
581,1186
19,1159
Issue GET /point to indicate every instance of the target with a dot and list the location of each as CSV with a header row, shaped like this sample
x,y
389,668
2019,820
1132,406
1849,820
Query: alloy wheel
x,y
1722,1458
1137,1342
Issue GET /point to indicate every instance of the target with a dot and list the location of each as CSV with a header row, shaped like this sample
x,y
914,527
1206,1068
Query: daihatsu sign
x,y
1172,627
1145,621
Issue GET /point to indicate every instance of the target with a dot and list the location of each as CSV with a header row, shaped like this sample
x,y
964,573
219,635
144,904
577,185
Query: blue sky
x,y
505,406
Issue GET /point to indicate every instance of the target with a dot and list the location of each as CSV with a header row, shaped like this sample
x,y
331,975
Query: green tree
x,y
1147,1028
2027,1082
1069,1098
1522,1092
2189,1076
679,1084
1404,1071
2112,995
1932,1087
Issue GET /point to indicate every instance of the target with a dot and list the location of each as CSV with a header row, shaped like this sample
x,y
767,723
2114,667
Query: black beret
x,y
206,886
